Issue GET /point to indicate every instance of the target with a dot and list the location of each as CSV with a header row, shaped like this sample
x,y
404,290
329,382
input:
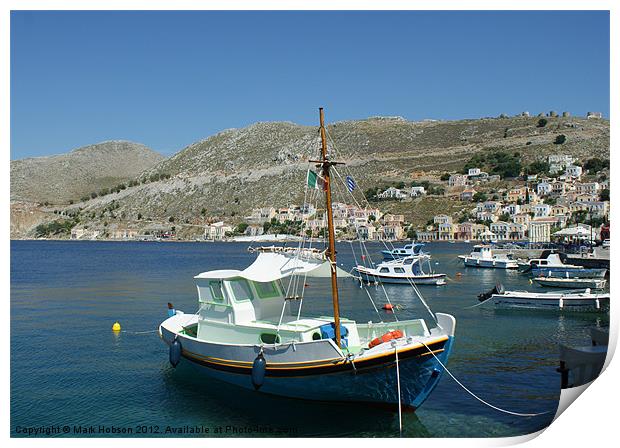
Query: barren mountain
x,y
68,177
228,174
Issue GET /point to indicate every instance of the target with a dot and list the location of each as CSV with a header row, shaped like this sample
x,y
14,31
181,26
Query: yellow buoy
x,y
116,326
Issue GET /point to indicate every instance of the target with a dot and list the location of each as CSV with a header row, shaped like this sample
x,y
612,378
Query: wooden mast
x,y
325,164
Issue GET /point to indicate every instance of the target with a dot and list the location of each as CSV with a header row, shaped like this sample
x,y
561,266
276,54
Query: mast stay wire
x,y
411,283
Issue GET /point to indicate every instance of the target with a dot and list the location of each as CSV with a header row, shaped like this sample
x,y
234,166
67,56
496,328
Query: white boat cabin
x,y
251,307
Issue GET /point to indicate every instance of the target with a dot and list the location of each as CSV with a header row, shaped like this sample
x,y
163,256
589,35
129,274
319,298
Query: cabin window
x,y
216,291
384,270
408,261
399,270
267,290
241,289
211,291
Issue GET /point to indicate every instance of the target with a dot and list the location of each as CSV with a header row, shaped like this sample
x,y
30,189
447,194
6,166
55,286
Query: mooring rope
x,y
518,414
400,408
139,332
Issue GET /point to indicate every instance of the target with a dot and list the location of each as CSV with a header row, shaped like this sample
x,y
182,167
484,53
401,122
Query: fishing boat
x,y
575,300
571,283
408,250
482,256
246,331
553,266
404,271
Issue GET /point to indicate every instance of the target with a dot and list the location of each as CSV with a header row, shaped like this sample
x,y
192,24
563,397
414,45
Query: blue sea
x,y
71,376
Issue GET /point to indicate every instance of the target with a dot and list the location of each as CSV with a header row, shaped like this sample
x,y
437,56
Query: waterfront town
x,y
530,208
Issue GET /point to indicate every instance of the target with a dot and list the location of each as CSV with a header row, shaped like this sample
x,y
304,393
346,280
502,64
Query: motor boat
x,y
408,250
482,256
405,270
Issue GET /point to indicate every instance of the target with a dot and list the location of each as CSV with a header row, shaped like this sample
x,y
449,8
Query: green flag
x,y
312,179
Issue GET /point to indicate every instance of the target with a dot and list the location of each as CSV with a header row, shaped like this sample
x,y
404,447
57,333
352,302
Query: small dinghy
x,y
576,300
407,270
571,283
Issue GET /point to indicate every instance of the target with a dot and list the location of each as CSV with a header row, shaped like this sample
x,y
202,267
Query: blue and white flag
x,y
351,184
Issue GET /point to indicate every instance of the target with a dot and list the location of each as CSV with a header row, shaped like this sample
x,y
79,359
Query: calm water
x,y
68,368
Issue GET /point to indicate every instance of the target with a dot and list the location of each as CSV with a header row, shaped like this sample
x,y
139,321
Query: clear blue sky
x,y
167,79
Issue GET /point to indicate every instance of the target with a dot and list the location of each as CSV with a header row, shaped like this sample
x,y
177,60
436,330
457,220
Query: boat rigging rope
x,y
410,281
505,411
387,297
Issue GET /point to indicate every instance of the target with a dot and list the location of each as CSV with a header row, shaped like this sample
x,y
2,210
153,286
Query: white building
x,y
217,231
417,191
442,219
574,171
559,162
457,180
543,189
541,210
392,193
539,230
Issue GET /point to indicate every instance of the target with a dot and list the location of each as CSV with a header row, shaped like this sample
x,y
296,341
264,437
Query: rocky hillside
x,y
230,173
68,177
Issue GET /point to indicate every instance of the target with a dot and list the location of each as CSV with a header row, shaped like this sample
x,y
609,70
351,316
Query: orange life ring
x,y
387,337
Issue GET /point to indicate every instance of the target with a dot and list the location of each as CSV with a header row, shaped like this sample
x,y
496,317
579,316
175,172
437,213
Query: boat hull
x,y
562,272
548,301
473,262
419,376
430,279
317,370
574,283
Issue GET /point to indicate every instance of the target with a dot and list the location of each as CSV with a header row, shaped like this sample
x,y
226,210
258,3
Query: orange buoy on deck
x,y
388,307
387,337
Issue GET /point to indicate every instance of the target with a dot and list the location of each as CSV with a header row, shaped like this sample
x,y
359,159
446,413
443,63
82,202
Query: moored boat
x,y
553,266
408,250
571,283
575,300
482,256
247,332
405,271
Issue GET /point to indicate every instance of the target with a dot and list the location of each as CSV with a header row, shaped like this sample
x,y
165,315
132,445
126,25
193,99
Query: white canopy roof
x,y
272,266
574,231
